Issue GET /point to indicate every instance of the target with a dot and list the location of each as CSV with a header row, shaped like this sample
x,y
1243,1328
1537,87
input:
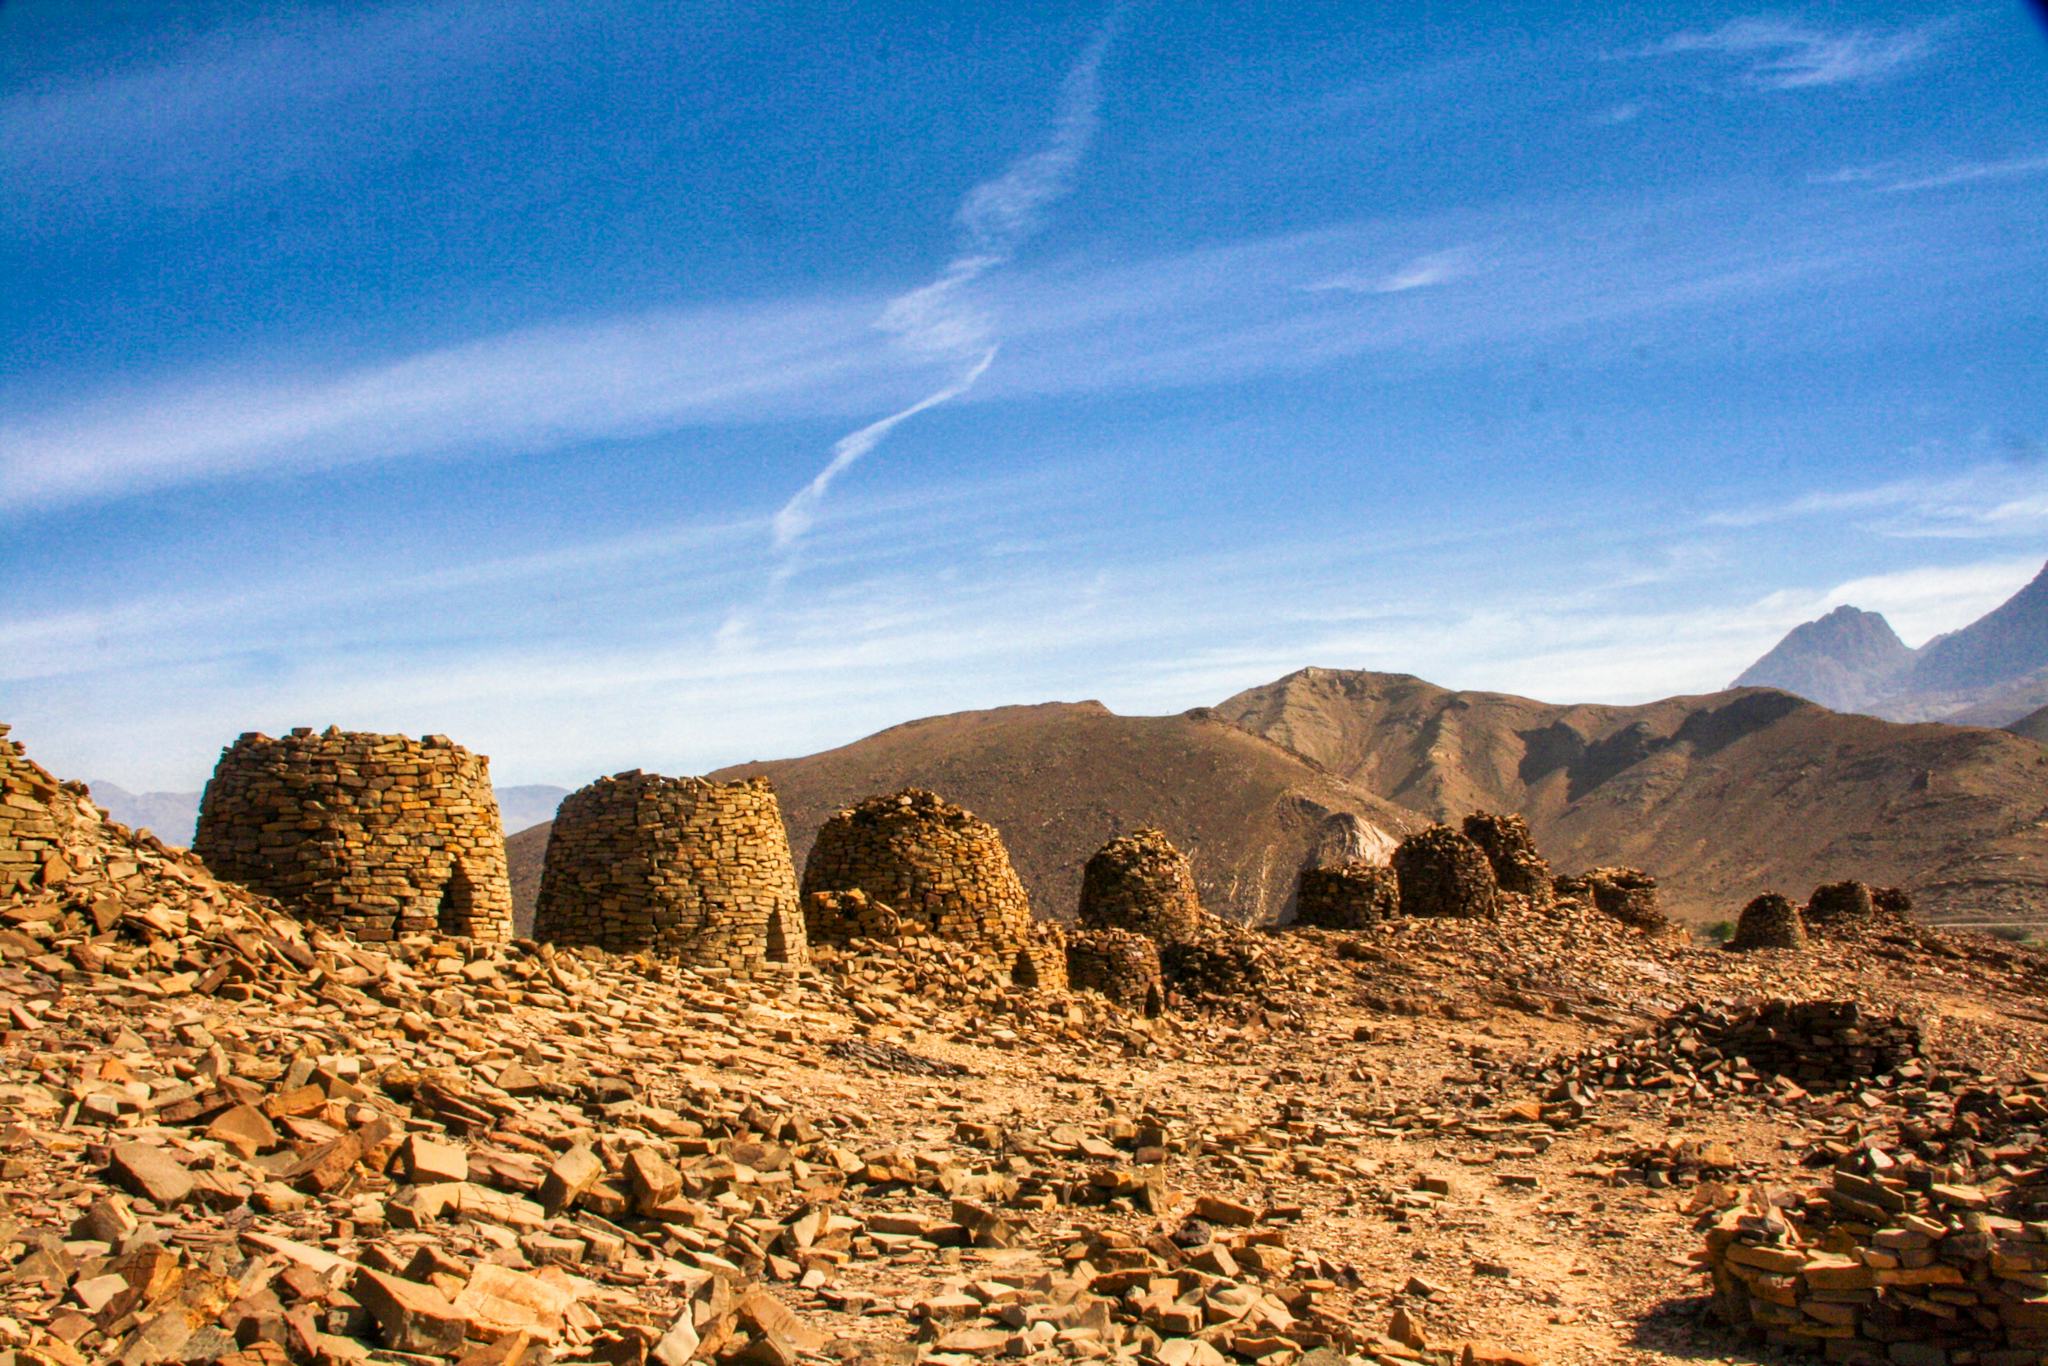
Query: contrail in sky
x,y
995,219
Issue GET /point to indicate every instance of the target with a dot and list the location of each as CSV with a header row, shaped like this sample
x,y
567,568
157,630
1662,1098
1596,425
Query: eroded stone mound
x,y
1347,896
1770,921
1625,894
693,870
1442,873
1511,850
1122,965
380,835
942,869
1141,882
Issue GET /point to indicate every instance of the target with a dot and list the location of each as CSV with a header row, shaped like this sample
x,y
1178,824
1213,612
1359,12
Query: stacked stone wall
x,y
1441,873
940,869
1822,1045
1348,896
379,835
1625,894
1122,965
689,869
1141,882
1511,851
1894,1262
1042,962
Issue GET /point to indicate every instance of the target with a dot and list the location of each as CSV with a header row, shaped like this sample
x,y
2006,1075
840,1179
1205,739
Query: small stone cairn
x,y
1141,882
939,869
1770,921
1443,874
1122,965
1347,896
693,870
1511,850
379,835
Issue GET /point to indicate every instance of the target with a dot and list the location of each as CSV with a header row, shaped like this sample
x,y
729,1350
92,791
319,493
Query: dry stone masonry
x,y
690,869
1123,965
1822,1045
940,869
1347,896
1770,921
1625,894
1511,850
1141,882
1442,873
380,835
1896,1261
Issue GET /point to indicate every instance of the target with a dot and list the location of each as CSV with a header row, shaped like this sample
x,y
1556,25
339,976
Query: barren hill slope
x,y
1720,795
1061,779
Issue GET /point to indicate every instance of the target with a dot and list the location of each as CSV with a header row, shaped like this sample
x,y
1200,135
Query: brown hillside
x,y
1061,779
1720,795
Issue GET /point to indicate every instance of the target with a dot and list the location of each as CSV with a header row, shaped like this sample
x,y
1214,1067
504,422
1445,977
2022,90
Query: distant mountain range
x,y
173,816
1992,672
1721,796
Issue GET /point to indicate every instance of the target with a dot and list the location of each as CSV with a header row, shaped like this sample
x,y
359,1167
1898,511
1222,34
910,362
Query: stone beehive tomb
x,y
1141,882
1122,965
941,870
1348,896
1511,851
690,869
1770,921
1441,873
379,835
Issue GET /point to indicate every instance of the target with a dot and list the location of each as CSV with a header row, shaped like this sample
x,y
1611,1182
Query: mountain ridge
x,y
1990,672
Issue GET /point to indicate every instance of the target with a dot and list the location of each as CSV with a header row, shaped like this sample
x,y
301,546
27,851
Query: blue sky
x,y
607,385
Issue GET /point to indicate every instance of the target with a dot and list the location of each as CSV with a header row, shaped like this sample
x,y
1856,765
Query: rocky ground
x,y
227,1137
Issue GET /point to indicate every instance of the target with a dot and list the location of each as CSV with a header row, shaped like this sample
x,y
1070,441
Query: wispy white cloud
x,y
1213,314
1628,111
1787,54
938,320
534,388
1431,268
1964,173
1989,501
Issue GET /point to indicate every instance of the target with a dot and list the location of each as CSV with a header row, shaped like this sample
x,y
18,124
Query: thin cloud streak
x,y
936,320
1784,54
1970,171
